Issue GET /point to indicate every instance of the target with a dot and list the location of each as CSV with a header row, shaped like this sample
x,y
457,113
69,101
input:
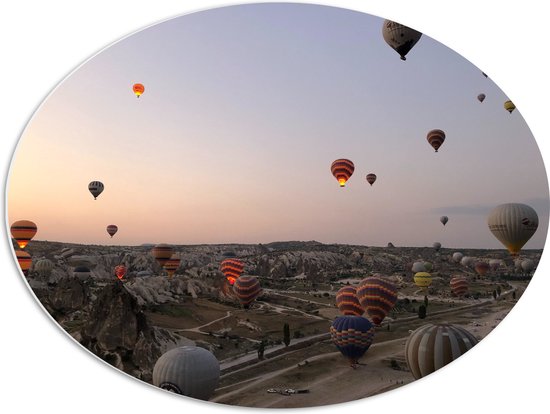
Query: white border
x,y
42,41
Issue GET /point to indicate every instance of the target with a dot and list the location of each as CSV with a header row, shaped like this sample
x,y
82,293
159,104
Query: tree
x,y
499,291
514,294
422,311
286,334
494,294
425,301
261,349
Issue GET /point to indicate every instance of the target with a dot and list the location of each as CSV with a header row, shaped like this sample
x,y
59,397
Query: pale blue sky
x,y
244,110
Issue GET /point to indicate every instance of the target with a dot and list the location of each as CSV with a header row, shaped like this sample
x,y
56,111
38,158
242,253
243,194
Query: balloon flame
x,y
342,182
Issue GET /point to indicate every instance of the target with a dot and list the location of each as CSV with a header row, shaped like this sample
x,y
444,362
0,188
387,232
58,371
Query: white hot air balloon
x,y
457,257
418,267
527,265
187,370
400,38
513,224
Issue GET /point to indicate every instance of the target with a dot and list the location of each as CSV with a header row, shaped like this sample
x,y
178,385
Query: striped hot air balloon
x,y
431,347
172,265
232,269
25,261
482,268
162,253
422,279
371,178
513,224
352,335
120,271
459,285
82,272
96,188
342,169
112,229
247,289
138,89
44,267
436,137
23,231
377,296
347,302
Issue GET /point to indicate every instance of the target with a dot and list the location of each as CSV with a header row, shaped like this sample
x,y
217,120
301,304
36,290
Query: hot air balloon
x,y
436,137
377,296
82,272
112,229
481,97
138,89
527,265
428,266
188,370
431,347
422,279
120,271
247,289
457,257
481,268
352,335
232,269
96,188
494,264
162,253
172,265
371,178
418,267
400,38
509,106
24,260
459,285
467,261
44,267
347,302
23,231
513,224
437,246
444,219
342,170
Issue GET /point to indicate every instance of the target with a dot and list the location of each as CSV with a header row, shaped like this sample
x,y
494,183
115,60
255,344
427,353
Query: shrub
x,y
422,311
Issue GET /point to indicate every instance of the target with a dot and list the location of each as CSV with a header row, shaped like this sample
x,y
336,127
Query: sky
x,y
245,108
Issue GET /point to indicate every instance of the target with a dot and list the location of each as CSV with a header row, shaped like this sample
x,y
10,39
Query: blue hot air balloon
x,y
353,336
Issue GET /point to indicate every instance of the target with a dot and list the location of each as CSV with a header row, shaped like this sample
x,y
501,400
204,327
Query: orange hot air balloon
x,y
342,170
371,178
247,289
162,253
24,260
120,271
112,229
172,265
482,268
347,302
138,89
23,231
436,137
232,269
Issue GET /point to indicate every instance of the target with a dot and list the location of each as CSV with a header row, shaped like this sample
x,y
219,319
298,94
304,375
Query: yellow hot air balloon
x,y
23,231
509,106
422,279
513,224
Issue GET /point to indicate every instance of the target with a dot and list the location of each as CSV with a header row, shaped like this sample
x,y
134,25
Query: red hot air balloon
x,y
162,253
138,89
436,137
232,269
371,178
24,260
172,265
482,268
377,296
23,231
112,229
459,285
347,302
247,289
342,170
120,271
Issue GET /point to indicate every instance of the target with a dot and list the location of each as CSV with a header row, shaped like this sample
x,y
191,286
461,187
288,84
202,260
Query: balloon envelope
x,y
138,89
342,169
112,229
399,37
347,302
509,106
436,137
431,347
247,289
96,188
188,370
23,231
377,296
44,267
232,269
459,285
481,268
162,253
120,271
352,335
371,178
422,279
444,219
481,97
172,265
513,224
457,257
25,261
